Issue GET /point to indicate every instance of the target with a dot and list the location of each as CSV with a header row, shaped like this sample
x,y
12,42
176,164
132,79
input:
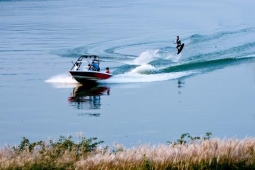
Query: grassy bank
x,y
196,153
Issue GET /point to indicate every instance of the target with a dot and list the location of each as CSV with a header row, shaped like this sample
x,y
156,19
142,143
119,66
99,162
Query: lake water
x,y
154,95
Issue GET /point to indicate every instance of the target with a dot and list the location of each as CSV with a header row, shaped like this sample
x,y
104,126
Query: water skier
x,y
178,42
179,46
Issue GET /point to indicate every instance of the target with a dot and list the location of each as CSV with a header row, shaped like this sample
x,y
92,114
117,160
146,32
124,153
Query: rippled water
x,y
154,96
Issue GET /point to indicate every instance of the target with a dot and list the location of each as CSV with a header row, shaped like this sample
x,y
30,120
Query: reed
x,y
207,153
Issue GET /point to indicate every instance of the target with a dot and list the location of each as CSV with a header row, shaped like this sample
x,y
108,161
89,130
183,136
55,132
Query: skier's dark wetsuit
x,y
178,42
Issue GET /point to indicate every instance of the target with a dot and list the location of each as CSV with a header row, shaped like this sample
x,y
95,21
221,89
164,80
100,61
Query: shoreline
x,y
203,153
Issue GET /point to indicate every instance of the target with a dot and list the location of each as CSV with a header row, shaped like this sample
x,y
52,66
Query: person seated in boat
x,y
95,66
107,70
76,65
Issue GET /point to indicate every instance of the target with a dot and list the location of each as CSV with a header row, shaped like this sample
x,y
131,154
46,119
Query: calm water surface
x,y
154,96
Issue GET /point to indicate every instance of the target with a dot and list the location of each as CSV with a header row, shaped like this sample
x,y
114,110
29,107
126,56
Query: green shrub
x,y
183,141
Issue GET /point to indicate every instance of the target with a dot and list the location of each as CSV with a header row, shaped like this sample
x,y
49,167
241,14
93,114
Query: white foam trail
x,y
62,78
150,55
167,55
176,58
62,81
249,56
64,85
143,78
142,68
144,58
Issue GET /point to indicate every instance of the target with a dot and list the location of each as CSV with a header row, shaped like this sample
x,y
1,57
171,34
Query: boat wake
x,y
146,68
62,81
202,54
141,78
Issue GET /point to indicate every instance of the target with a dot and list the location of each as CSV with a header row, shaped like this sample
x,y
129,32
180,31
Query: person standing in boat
x,y
95,63
96,60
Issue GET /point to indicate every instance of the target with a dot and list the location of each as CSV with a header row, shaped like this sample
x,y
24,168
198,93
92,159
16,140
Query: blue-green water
x,y
154,95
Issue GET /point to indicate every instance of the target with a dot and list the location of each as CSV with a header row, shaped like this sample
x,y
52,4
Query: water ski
x,y
180,49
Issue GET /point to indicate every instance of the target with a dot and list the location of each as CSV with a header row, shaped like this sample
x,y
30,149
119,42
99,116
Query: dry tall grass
x,y
201,154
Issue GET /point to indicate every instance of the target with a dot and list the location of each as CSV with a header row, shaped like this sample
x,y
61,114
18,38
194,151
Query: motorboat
x,y
89,73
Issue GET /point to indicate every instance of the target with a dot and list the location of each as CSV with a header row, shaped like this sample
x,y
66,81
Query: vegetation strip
x,y
186,153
